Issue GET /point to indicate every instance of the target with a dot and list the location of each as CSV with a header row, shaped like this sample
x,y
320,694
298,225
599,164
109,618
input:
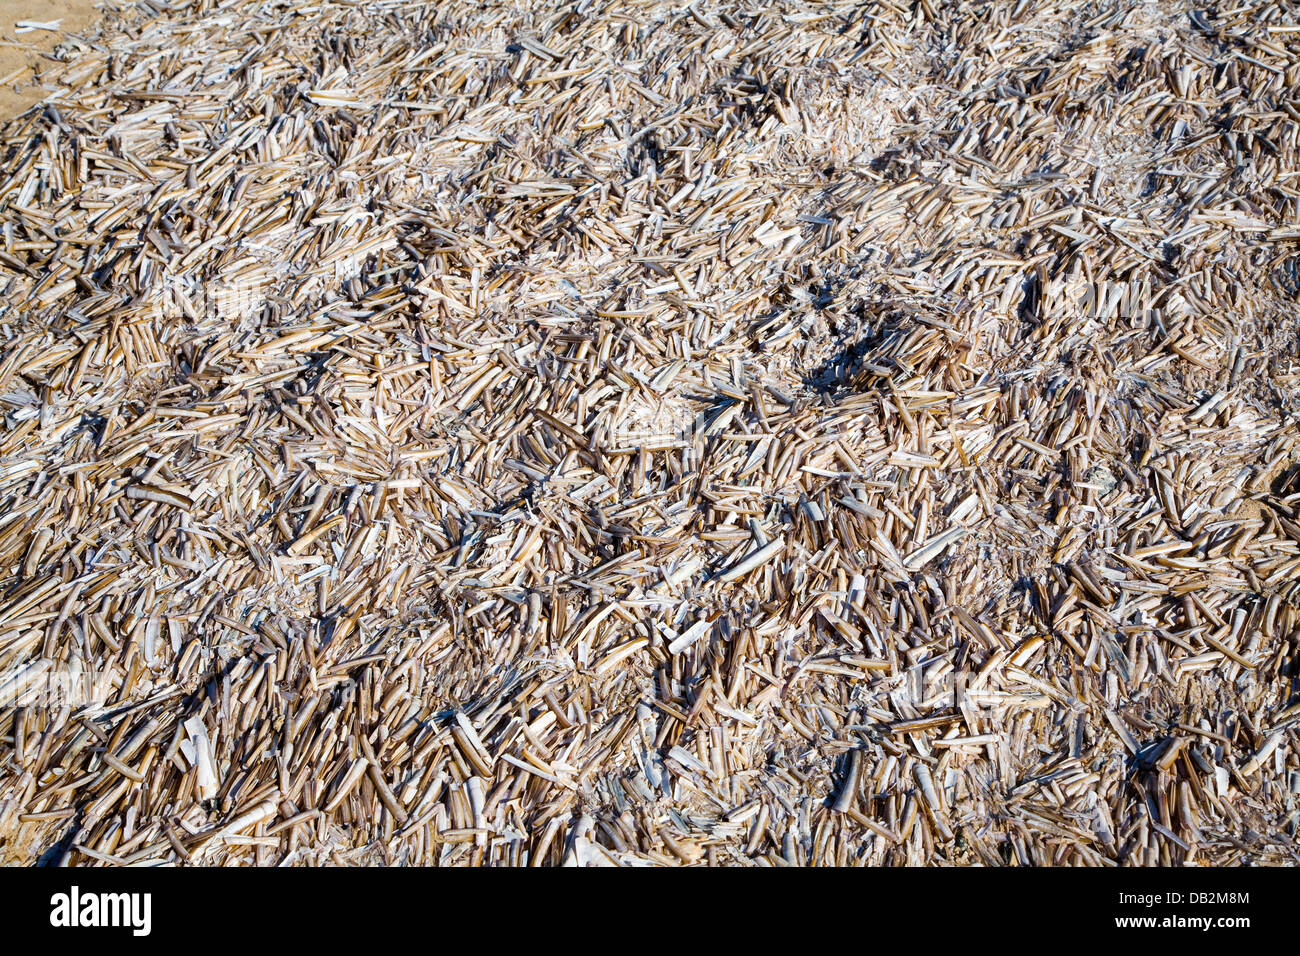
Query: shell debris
x,y
594,433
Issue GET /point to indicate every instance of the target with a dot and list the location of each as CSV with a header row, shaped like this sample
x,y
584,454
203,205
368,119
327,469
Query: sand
x,y
28,54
